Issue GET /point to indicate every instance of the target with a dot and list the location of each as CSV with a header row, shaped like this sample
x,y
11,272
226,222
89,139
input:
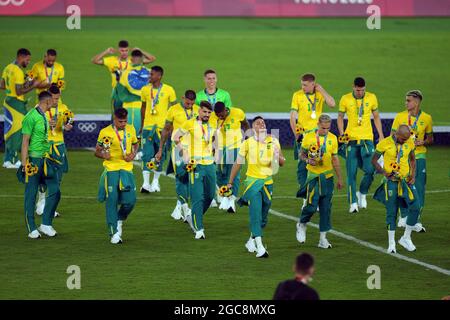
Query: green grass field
x,y
258,60
160,259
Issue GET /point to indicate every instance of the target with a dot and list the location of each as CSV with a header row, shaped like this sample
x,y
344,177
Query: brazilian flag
x,y
15,111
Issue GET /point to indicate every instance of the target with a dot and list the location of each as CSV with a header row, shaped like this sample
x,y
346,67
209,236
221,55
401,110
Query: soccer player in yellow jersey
x,y
117,145
263,155
128,90
359,105
195,139
48,72
16,85
306,108
397,189
176,117
59,122
118,64
421,126
229,122
319,151
157,98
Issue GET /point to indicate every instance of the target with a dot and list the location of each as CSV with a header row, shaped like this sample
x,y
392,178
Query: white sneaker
x,y
353,208
391,248
17,164
40,207
401,222
119,228
34,234
116,238
418,227
176,214
57,214
189,221
200,234
362,201
251,245
155,186
185,211
219,199
47,230
224,203
301,232
213,204
407,244
323,243
7,164
261,252
145,188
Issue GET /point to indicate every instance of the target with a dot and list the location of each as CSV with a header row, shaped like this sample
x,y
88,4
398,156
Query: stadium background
x,y
259,48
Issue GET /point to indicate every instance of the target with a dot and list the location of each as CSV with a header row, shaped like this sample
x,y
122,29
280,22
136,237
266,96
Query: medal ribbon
x,y
322,148
188,117
414,126
123,144
213,102
120,65
155,99
206,138
49,78
361,108
45,119
313,104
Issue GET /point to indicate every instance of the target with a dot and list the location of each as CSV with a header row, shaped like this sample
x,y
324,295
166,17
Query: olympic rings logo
x,y
87,126
16,3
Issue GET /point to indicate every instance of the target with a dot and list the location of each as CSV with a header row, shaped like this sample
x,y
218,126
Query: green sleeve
x,y
27,125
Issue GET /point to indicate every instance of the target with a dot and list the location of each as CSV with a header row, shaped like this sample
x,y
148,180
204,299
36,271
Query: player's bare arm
x,y
329,100
378,126
98,59
337,170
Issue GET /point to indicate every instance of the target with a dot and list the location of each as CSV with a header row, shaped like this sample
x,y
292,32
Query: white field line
x,y
367,244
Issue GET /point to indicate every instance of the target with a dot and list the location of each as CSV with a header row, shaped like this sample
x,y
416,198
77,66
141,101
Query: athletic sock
x,y
146,176
408,231
323,236
41,196
156,175
391,236
259,243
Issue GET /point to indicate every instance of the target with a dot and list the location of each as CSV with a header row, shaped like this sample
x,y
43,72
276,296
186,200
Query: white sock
x,y
156,175
178,203
363,196
408,230
41,196
323,236
146,176
391,236
259,243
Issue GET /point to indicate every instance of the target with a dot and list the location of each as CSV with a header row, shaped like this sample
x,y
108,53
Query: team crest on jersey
x,y
329,142
196,175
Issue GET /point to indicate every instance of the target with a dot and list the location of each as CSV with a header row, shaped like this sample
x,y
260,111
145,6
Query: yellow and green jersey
x,y
57,135
119,143
199,136
309,108
325,148
394,152
420,126
116,67
13,75
178,115
359,111
259,156
53,74
229,133
158,102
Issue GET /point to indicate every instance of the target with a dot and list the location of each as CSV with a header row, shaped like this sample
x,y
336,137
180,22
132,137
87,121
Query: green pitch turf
x,y
159,258
258,60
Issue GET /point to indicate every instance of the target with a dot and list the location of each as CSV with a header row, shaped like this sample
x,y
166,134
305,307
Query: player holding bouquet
x,y
398,189
117,145
263,155
61,120
319,152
